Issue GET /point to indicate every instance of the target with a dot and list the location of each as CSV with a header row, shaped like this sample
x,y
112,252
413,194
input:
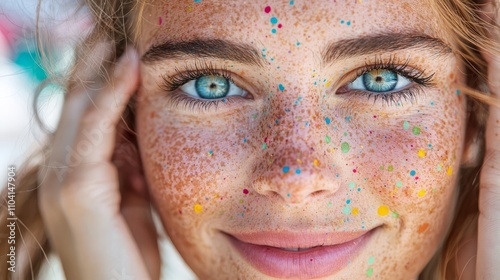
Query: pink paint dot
x,y
245,191
160,20
267,9
416,178
354,170
280,25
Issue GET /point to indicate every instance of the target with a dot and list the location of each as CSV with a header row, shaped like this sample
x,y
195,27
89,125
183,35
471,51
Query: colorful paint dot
x,y
421,153
369,272
355,211
267,9
346,210
371,260
345,147
406,125
281,87
245,191
352,185
327,139
273,30
197,1
327,120
291,2
423,227
198,208
328,83
413,172
274,20
286,169
449,171
390,168
421,193
210,152
439,167
316,162
383,210
297,171
264,146
416,130
399,184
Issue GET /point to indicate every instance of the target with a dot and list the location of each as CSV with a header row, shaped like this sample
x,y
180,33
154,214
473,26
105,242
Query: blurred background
x,y
61,25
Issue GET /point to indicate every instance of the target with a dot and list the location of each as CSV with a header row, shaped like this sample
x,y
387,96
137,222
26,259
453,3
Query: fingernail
x,y
128,60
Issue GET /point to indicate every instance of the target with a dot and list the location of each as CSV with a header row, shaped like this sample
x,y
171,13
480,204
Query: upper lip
x,y
290,239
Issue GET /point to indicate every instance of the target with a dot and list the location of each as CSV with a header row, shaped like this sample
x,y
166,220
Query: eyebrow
x,y
246,54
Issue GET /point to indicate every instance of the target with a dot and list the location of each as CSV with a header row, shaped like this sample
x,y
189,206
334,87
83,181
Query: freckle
x,y
198,208
421,193
383,210
421,153
245,191
423,227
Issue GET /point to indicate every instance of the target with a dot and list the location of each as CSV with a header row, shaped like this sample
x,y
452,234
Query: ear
x,y
127,158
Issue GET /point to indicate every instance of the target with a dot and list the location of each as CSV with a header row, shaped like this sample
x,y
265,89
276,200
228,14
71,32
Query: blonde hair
x,y
117,21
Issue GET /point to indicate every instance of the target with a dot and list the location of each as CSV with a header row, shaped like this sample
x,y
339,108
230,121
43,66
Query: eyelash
x,y
422,80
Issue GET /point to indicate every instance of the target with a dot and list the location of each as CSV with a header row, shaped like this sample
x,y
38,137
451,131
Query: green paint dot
x,y
346,210
439,167
399,184
390,168
371,260
406,125
352,185
395,215
264,146
369,272
327,139
345,147
416,130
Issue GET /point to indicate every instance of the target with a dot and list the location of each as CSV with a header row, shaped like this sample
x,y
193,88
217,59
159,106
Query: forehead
x,y
267,21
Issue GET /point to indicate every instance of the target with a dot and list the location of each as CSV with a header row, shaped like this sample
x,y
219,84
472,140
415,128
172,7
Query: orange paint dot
x,y
316,162
383,210
421,153
198,208
423,227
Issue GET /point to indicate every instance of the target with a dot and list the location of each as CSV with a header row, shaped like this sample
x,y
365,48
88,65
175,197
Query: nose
x,y
297,170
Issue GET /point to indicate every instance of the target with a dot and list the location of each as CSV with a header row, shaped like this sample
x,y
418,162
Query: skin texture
x,y
212,170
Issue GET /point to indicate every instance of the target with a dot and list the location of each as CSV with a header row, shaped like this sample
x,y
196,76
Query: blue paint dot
x,y
348,201
297,171
458,92
327,120
413,172
197,1
281,87
348,23
273,30
274,20
298,43
341,21
286,169
347,119
291,2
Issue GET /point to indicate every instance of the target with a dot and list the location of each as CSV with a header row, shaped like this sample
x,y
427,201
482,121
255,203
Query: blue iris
x,y
212,87
380,80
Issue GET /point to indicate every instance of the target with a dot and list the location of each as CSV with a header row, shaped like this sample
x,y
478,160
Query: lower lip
x,y
313,263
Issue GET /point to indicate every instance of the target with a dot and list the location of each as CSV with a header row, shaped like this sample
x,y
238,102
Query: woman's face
x,y
300,139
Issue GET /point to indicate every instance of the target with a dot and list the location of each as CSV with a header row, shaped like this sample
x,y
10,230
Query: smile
x,y
300,255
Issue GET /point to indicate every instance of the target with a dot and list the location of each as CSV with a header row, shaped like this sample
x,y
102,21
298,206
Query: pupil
x,y
378,79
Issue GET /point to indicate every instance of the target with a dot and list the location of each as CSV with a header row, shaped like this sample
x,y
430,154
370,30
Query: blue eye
x,y
212,87
379,81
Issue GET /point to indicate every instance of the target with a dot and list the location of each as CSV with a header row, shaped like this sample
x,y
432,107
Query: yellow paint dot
x,y
421,153
421,193
383,210
328,83
449,171
316,162
355,211
198,208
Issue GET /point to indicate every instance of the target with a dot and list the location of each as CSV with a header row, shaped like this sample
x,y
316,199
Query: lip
x,y
326,253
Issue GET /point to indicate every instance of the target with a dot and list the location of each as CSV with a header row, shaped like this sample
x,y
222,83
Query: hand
x,y
92,220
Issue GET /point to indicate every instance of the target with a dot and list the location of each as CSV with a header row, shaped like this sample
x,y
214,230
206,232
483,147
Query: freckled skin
x,y
208,157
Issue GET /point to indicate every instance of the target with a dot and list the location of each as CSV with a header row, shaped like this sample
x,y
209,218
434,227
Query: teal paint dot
x,y
348,119
345,147
413,172
458,92
346,210
352,185
281,87
371,260
286,169
327,139
274,20
341,21
298,44
406,125
399,184
273,31
291,3
197,1
264,146
348,23
327,120
348,201
416,130
297,171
